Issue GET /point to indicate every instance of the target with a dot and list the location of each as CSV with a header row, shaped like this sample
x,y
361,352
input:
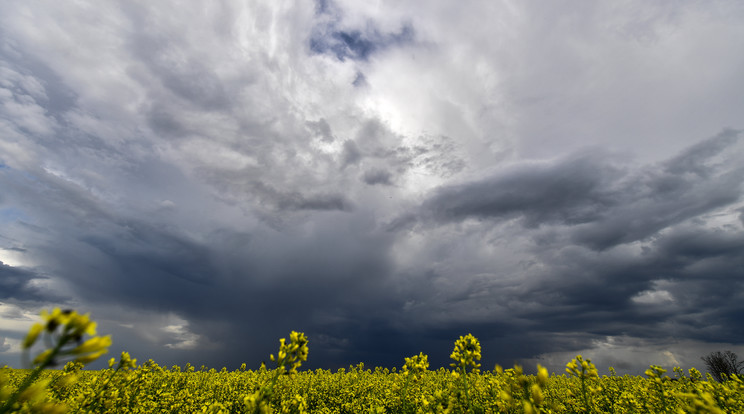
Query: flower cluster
x,y
586,372
520,391
66,328
581,368
467,351
416,365
64,331
292,354
125,362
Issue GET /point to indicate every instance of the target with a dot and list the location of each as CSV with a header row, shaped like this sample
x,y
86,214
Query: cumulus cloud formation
x,y
385,177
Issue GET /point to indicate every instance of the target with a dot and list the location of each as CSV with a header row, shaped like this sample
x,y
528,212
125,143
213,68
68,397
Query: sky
x,y
556,178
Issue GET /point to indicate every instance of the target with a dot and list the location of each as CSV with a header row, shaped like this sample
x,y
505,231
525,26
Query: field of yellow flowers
x,y
126,387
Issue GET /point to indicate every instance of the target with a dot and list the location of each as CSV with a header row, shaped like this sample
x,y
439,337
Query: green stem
x,y
465,384
405,390
34,375
584,396
267,391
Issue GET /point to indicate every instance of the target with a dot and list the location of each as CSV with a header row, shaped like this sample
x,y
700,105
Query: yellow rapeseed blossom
x,y
70,327
129,388
467,351
34,392
292,354
655,372
536,394
582,368
416,365
95,344
62,329
33,334
542,375
127,362
149,388
88,358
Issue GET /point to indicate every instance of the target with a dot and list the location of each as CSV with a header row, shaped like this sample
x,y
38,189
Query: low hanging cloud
x,y
567,192
17,283
604,204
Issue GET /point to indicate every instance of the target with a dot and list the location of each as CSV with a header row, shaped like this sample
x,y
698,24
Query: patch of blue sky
x,y
12,173
12,214
357,44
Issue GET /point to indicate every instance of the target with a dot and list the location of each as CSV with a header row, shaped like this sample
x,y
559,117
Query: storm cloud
x,y
555,179
604,205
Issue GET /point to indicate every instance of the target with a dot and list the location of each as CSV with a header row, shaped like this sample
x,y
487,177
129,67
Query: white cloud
x,y
181,337
13,257
653,297
16,319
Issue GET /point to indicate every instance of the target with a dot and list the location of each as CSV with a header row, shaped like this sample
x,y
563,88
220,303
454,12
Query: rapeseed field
x,y
128,387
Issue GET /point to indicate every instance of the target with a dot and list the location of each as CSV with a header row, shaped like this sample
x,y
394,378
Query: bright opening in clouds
x,y
556,178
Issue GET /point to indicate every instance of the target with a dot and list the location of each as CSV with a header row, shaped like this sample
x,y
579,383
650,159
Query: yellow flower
x,y
467,351
33,334
292,354
34,392
94,344
536,393
416,365
90,357
588,370
127,361
542,375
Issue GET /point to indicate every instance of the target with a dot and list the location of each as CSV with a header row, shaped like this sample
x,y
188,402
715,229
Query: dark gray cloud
x,y
233,286
323,129
375,177
686,283
572,191
686,186
18,284
604,205
351,154
299,200
700,159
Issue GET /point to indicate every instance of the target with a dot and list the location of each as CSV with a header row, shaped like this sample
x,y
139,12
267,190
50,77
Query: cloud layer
x,y
383,177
